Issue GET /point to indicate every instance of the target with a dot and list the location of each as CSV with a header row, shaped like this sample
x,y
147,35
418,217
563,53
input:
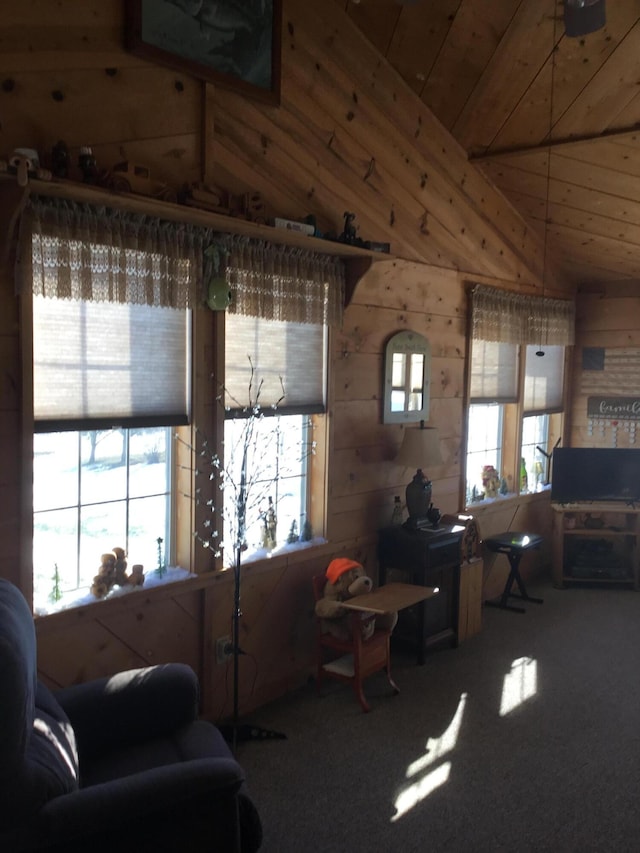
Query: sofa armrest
x,y
140,798
135,705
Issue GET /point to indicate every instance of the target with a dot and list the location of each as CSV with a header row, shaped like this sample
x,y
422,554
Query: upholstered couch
x,y
120,763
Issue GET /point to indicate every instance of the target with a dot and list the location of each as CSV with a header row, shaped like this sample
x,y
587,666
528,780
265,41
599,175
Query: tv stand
x,y
595,543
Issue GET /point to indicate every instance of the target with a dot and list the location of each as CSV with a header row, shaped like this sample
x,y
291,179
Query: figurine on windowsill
x,y
490,481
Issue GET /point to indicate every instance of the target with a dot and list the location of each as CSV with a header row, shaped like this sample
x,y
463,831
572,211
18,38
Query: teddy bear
x,y
106,577
136,578
346,578
113,572
120,566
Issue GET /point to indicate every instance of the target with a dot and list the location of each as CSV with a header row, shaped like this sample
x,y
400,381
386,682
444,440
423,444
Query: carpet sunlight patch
x,y
520,684
433,777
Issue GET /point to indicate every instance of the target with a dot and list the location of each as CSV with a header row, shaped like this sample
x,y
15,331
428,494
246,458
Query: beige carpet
x,y
526,738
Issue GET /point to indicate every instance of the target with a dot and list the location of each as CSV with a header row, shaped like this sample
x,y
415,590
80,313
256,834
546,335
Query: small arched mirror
x,y
407,368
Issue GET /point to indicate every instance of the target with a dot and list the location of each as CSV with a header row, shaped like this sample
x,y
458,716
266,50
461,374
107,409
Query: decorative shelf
x,y
357,260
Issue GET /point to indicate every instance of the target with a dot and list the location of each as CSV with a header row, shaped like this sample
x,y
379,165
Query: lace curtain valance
x,y
283,283
98,254
512,318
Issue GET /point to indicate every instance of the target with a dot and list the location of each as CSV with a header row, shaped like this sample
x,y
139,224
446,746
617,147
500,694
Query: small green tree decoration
x,y
56,593
162,568
307,531
293,537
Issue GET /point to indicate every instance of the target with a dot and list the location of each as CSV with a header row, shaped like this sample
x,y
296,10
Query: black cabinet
x,y
428,557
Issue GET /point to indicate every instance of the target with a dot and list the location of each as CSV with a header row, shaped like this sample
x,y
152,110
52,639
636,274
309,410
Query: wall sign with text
x,y
612,415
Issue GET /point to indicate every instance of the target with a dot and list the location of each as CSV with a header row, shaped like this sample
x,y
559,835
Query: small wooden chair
x,y
365,657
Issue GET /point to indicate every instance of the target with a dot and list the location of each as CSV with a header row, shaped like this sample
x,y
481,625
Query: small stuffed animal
x,y
106,577
136,578
113,572
120,566
345,579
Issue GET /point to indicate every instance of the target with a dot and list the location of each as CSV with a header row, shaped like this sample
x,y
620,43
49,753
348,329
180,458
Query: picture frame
x,y
236,45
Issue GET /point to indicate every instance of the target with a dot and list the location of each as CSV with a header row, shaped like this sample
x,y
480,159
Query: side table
x,y
426,557
513,545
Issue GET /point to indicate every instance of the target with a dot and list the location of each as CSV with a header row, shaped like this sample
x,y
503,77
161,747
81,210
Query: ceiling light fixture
x,y
582,17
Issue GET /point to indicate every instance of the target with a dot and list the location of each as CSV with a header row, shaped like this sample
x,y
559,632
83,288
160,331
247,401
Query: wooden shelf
x,y
618,581
357,260
579,549
601,532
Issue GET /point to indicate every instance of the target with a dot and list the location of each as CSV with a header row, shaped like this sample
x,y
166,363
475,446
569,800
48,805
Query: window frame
x,y
206,360
208,419
512,422
84,504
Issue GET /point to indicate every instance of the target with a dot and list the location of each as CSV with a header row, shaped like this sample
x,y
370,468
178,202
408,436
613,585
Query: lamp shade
x,y
420,448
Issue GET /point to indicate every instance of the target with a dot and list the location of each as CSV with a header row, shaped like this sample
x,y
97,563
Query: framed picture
x,y
233,43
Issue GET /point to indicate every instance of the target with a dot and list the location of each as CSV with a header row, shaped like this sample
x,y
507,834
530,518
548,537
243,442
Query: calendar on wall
x,y
612,420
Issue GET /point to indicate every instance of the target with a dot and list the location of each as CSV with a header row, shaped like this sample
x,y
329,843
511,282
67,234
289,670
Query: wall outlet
x,y
224,649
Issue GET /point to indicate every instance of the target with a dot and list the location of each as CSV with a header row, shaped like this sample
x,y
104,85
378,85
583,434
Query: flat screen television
x,y
583,474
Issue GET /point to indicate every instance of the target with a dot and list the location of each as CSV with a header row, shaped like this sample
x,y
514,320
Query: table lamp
x,y
420,449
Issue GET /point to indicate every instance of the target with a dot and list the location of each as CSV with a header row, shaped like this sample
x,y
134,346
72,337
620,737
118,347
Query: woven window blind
x,y
288,362
98,365
543,380
111,318
494,372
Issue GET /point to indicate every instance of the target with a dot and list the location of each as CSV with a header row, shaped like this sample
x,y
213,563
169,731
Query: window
x,y
111,355
542,397
276,361
278,467
493,385
274,399
98,486
516,381
94,490
484,446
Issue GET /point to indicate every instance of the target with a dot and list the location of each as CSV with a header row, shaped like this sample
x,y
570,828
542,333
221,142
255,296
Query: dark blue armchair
x,y
119,763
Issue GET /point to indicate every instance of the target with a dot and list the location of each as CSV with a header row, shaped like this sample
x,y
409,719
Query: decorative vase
x,y
418,495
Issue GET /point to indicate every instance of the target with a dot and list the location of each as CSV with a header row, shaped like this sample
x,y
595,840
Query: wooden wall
x,y
348,135
607,318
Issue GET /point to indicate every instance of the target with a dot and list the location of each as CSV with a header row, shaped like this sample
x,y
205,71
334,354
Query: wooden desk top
x,y
390,597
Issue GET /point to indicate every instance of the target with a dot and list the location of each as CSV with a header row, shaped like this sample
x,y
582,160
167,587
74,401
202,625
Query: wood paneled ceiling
x,y
508,83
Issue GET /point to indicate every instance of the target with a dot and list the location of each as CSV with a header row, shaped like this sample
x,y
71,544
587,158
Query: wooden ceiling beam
x,y
619,133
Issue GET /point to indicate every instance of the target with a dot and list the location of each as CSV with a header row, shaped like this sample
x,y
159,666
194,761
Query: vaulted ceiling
x,y
508,83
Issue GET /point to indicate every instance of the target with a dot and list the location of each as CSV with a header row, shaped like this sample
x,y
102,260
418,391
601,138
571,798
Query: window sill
x,y
263,555
76,598
510,497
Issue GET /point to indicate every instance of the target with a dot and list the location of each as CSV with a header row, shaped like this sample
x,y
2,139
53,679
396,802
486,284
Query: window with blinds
x,y
516,387
284,362
102,364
